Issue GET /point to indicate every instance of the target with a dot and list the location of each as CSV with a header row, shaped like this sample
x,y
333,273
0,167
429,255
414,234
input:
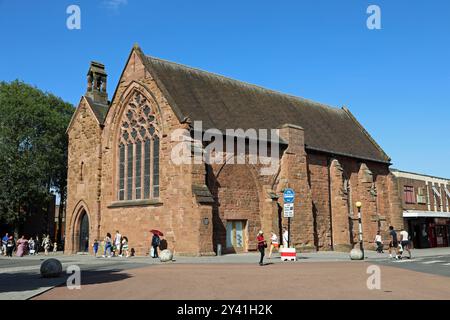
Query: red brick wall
x,y
318,179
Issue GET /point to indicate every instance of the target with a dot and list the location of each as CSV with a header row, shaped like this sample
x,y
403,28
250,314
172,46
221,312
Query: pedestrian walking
x,y
394,243
262,245
108,245
156,241
32,246
46,244
10,246
22,246
55,247
4,243
37,244
125,247
285,238
404,241
379,242
273,243
118,243
95,247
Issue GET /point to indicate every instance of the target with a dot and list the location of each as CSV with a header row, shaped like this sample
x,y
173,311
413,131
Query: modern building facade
x,y
426,208
122,174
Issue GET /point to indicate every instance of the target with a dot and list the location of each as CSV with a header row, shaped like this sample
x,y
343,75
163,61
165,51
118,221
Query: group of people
x,y
119,246
394,244
23,246
274,243
113,247
399,246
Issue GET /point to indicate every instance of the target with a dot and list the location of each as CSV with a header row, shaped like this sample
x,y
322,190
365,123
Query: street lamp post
x,y
358,253
361,245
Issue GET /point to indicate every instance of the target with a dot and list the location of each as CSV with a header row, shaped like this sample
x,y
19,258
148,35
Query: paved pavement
x,y
20,279
321,280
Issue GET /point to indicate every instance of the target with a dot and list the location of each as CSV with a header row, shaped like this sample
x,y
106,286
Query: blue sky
x,y
396,80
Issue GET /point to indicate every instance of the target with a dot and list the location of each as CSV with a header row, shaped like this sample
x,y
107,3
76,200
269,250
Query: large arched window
x,y
138,158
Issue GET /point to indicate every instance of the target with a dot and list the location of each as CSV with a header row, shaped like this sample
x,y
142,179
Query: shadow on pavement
x,y
30,281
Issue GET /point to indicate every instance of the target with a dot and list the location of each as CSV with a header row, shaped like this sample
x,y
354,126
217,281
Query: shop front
x,y
428,229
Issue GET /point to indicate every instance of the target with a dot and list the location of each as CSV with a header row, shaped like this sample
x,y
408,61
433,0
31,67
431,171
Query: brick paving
x,y
321,280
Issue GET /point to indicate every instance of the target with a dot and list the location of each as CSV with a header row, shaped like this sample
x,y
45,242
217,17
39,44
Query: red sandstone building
x,y
426,208
121,176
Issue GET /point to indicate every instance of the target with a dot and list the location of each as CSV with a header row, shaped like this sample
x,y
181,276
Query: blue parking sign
x,y
288,195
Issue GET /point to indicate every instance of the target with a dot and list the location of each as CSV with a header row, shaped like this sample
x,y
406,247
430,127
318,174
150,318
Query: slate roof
x,y
100,110
223,103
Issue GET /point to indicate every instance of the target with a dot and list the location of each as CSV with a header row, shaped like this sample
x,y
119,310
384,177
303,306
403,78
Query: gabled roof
x,y
224,103
100,110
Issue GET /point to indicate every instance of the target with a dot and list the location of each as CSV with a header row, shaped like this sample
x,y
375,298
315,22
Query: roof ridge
x,y
254,86
364,131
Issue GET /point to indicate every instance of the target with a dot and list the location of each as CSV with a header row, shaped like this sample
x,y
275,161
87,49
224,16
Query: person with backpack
x,y
156,241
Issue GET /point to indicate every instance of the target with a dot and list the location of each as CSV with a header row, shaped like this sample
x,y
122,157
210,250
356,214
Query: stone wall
x,y
83,192
326,187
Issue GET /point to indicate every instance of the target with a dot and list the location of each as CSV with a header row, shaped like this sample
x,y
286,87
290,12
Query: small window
x,y
421,197
409,194
81,171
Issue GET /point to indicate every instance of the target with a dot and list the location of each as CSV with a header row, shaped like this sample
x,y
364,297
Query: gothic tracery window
x,y
138,158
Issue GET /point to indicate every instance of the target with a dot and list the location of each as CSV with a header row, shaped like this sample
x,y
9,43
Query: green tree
x,y
33,150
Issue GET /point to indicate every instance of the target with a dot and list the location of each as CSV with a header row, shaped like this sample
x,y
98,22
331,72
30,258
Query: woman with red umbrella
x,y
156,240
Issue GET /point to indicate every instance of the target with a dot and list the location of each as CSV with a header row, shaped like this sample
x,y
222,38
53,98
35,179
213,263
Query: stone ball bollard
x,y
165,255
51,268
356,254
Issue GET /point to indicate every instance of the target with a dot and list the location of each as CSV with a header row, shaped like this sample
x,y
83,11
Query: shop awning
x,y
425,214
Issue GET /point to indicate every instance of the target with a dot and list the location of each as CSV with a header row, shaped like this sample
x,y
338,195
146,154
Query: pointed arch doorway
x,y
84,233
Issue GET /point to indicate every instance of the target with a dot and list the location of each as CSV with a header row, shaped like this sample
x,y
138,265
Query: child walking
x,y
95,247
125,247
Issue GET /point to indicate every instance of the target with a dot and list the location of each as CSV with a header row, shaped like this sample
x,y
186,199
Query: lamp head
x,y
358,204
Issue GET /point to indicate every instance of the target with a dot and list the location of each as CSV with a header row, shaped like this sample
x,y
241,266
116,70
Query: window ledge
x,y
135,203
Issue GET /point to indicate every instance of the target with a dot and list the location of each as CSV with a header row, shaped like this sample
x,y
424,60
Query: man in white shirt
x,y
404,240
285,238
118,242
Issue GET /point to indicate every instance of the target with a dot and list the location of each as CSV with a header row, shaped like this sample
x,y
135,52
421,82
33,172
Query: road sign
x,y
288,210
288,196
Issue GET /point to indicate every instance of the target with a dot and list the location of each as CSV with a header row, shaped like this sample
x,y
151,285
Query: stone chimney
x,y
96,83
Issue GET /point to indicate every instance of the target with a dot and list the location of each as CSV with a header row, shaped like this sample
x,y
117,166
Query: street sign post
x,y
288,198
288,210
